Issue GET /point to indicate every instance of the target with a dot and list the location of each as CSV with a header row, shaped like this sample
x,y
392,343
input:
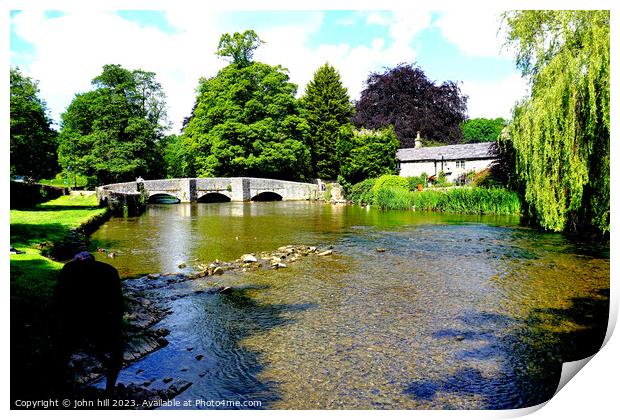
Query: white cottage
x,y
453,160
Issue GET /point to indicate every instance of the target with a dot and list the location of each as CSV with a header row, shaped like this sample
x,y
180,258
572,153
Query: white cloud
x,y
71,50
288,46
494,99
376,18
473,31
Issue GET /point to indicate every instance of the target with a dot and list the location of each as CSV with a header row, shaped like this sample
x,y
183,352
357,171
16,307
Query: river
x,y
459,312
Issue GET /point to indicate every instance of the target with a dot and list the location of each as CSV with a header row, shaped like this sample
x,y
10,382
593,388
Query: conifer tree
x,y
327,110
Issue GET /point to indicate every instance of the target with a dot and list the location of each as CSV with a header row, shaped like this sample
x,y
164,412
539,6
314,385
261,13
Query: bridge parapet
x,y
192,189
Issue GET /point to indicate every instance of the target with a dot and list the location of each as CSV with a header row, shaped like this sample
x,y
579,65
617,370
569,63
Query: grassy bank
x,y
33,277
395,193
36,229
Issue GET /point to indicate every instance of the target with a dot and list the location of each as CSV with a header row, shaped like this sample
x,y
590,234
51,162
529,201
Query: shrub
x,y
346,185
486,179
440,180
393,181
362,192
414,181
366,153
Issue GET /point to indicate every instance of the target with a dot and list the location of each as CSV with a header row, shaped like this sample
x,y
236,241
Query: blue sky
x,y
64,50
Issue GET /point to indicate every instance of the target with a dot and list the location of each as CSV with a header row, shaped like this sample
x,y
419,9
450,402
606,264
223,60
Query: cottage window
x,y
460,164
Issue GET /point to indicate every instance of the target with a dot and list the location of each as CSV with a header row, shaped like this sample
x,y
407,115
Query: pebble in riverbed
x,y
275,260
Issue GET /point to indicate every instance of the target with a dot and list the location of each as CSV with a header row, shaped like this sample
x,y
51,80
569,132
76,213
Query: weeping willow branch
x,y
561,132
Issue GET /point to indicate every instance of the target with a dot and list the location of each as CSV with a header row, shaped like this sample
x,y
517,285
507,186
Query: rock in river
x,y
248,258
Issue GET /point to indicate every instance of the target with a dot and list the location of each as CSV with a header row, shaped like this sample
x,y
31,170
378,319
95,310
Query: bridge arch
x,y
267,196
214,197
163,198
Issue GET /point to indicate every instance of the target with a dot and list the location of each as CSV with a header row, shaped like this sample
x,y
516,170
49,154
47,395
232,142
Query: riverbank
x,y
42,236
39,235
391,192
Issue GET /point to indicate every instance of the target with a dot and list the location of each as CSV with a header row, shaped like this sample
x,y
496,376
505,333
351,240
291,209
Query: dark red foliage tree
x,y
406,99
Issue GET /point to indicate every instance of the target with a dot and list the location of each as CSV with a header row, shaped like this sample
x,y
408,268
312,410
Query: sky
x,y
65,49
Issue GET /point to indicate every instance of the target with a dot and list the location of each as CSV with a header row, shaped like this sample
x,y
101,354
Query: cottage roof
x,y
451,152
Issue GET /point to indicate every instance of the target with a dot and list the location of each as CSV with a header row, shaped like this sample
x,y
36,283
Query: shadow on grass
x,y
29,235
53,207
530,355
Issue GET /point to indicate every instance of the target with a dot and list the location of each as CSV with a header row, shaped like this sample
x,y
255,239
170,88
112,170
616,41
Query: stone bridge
x,y
201,190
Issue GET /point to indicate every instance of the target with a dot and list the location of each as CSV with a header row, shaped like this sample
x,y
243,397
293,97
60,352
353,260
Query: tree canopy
x,y
246,122
478,130
406,99
111,134
33,142
239,48
561,132
327,109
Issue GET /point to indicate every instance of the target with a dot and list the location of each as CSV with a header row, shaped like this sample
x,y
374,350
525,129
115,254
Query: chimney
x,y
418,141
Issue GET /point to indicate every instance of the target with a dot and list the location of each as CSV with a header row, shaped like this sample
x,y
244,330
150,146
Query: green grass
x,y
51,221
33,279
61,181
392,198
468,200
452,200
32,275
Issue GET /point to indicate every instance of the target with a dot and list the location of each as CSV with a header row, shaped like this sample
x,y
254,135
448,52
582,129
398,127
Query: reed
x,y
392,198
468,200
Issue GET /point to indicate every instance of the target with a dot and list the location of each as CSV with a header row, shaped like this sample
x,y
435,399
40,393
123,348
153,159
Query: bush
x,y
392,198
394,181
362,192
346,185
486,179
440,180
414,181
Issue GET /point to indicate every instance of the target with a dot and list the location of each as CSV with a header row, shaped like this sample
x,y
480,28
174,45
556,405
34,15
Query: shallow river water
x,y
458,312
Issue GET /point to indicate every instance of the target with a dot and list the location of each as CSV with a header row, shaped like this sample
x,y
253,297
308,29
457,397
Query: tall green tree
x,y
561,132
366,153
327,109
478,130
33,141
174,156
246,122
239,48
112,133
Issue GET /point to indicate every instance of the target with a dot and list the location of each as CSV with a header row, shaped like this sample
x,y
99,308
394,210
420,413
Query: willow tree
x,y
561,132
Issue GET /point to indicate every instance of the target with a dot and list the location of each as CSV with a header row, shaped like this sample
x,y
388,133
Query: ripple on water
x,y
459,312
